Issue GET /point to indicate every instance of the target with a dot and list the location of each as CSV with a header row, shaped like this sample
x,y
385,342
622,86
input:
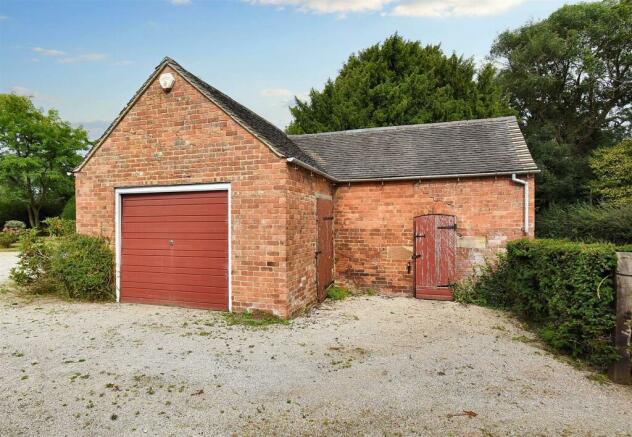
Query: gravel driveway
x,y
364,366
7,261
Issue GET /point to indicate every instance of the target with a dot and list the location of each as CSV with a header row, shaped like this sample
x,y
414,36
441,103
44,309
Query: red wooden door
x,y
325,246
435,256
174,249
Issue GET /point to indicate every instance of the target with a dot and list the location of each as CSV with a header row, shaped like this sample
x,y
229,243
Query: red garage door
x,y
174,249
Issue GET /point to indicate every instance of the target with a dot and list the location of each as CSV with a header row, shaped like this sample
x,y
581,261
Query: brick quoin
x,y
181,137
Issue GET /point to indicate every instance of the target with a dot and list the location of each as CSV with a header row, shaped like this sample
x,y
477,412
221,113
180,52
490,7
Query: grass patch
x,y
337,293
599,378
256,318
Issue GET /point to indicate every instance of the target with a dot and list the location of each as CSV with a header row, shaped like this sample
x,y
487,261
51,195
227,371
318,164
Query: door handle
x,y
170,242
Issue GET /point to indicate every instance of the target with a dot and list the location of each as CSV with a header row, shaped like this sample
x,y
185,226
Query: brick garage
x,y
187,137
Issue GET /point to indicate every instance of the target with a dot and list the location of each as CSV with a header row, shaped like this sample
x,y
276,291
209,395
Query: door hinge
x,y
447,227
420,235
331,217
417,256
318,252
446,285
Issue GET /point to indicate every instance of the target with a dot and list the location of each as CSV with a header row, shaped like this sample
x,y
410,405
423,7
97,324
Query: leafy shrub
x,y
487,287
566,289
33,260
76,266
588,223
8,238
70,210
83,266
15,226
59,227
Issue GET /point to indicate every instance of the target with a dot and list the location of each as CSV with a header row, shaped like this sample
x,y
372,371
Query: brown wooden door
x,y
325,246
174,249
435,256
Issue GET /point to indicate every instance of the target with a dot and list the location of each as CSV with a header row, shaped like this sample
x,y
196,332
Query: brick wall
x,y
374,222
303,189
183,138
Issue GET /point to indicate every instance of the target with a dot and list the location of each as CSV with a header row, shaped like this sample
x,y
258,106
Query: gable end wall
x,y
182,138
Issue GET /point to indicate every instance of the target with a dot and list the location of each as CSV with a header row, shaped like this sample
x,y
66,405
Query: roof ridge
x,y
171,61
418,125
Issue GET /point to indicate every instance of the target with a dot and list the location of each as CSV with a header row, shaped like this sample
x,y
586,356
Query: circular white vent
x,y
166,81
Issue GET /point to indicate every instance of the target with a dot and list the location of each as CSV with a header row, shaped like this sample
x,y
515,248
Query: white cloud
x,y
23,91
85,57
180,2
68,58
328,6
276,92
412,8
48,52
123,63
38,98
445,8
3,17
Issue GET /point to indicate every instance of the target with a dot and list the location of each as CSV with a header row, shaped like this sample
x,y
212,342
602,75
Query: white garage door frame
x,y
120,192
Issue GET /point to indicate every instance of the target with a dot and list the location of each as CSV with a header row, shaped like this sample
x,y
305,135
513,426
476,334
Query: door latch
x,y
170,243
447,227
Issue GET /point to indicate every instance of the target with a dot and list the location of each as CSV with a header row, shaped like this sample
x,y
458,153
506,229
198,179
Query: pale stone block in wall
x,y
472,242
399,253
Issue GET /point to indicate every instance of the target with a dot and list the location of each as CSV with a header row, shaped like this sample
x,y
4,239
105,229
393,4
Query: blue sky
x,y
87,58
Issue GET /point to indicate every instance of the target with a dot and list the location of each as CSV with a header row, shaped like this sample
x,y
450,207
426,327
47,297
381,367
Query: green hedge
x,y
588,223
565,289
70,209
83,266
75,266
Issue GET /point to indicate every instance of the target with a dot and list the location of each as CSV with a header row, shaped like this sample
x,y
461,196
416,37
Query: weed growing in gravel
x,y
337,293
524,339
599,378
254,319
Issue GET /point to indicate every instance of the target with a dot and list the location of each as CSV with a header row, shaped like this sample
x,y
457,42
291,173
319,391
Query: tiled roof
x,y
486,146
256,124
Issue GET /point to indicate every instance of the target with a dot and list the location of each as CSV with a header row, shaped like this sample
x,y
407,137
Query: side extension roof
x,y
434,150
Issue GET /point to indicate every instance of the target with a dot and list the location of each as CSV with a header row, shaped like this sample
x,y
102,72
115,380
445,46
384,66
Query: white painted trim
x,y
119,192
525,184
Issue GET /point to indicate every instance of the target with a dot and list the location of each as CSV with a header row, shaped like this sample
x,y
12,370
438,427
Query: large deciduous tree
x,y
37,153
612,167
400,82
570,78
